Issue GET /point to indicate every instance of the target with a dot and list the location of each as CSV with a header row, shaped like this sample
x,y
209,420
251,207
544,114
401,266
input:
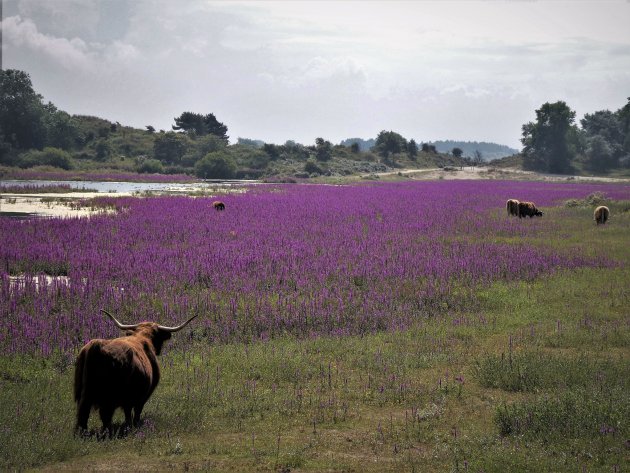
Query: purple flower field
x,y
36,189
301,259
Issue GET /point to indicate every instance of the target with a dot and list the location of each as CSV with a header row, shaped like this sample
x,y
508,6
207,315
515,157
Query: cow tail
x,y
78,375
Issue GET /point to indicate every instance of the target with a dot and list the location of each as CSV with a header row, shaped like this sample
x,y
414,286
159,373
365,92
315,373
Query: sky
x,y
298,70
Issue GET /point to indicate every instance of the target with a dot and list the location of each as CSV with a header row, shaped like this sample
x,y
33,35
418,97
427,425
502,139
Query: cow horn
x,y
179,327
118,324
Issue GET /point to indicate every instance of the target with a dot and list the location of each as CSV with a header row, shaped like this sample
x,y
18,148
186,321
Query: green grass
x,y
532,376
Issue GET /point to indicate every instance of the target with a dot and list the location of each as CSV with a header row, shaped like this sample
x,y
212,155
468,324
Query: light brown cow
x,y
119,372
601,214
512,207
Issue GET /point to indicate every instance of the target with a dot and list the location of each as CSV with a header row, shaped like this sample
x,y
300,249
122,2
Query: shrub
x,y
591,200
216,165
311,167
151,166
49,156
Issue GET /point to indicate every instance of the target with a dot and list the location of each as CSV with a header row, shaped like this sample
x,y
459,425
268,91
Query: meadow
x,y
406,326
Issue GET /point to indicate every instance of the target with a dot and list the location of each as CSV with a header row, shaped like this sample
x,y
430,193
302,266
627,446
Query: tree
x,y
390,142
62,130
412,149
250,142
457,152
427,148
216,165
190,122
549,143
215,127
272,150
355,147
198,148
477,158
600,156
103,150
604,138
195,124
150,129
604,123
624,119
323,149
170,147
21,111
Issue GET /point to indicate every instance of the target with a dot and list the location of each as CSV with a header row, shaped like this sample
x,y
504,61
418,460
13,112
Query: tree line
x,y
35,133
554,143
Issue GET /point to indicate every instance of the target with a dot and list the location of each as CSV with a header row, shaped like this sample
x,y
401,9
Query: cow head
x,y
158,334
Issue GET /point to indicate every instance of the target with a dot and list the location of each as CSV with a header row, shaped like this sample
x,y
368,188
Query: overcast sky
x,y
290,70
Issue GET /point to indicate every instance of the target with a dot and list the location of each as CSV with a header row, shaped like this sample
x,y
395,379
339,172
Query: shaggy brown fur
x,y
120,372
601,214
512,207
528,209
218,205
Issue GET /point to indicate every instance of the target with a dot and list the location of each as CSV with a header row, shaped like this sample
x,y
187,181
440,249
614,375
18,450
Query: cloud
x,y
73,54
63,18
70,53
344,73
298,70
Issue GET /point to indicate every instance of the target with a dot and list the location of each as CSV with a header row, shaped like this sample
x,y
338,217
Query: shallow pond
x,y
128,187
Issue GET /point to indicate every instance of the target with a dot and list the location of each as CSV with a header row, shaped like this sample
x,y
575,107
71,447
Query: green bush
x,y
312,167
48,156
216,165
151,166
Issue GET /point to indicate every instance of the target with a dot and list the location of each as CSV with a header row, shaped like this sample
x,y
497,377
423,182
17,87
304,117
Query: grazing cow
x,y
601,214
218,205
528,209
120,372
512,207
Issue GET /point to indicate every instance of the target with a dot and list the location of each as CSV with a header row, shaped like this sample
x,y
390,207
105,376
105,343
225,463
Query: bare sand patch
x,y
51,205
483,172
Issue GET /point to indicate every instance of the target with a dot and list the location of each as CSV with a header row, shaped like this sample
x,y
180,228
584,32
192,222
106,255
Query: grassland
x,y
528,376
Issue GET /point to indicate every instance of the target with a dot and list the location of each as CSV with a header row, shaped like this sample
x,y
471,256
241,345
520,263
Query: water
x,y
122,187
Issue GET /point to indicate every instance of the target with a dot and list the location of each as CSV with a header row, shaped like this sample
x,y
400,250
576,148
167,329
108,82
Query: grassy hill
x,y
104,146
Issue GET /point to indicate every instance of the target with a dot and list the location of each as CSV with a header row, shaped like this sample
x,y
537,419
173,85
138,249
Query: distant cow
x,y
601,214
218,205
528,209
119,372
512,207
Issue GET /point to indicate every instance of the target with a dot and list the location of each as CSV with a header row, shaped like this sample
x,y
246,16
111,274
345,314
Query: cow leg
x,y
83,414
136,414
107,413
128,419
